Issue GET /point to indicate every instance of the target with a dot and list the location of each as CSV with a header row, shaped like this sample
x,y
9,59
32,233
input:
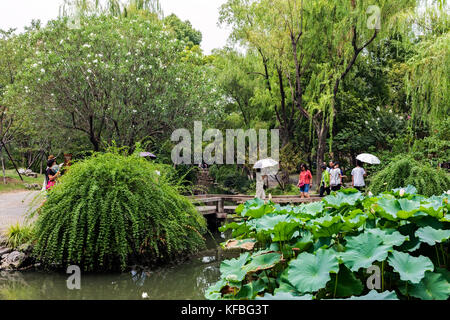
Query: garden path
x,y
14,206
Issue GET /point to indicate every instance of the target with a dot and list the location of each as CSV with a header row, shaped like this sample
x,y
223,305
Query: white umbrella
x,y
368,158
265,163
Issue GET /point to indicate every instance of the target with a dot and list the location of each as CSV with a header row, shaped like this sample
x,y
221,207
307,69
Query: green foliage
x,y
322,250
17,234
404,171
230,178
112,210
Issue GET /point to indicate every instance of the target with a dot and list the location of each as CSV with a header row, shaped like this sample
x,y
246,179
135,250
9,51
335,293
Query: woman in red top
x,y
304,181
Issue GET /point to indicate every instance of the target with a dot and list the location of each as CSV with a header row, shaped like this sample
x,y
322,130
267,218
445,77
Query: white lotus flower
x,y
402,192
370,194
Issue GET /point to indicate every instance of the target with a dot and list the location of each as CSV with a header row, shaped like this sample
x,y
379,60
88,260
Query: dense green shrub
x,y
112,210
407,171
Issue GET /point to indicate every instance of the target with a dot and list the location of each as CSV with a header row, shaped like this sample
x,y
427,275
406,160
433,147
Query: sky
x,y
203,14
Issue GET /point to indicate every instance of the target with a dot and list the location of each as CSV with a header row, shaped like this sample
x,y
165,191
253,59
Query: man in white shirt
x,y
358,175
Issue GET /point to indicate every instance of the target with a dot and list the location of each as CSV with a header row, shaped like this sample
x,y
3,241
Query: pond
x,y
186,281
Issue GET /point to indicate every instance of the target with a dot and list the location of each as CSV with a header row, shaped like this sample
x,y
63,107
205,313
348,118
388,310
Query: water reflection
x,y
188,280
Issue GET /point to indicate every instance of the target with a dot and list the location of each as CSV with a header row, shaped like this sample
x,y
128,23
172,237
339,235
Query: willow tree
x,y
314,46
427,79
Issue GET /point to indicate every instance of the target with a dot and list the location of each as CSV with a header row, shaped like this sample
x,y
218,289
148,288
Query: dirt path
x,y
14,206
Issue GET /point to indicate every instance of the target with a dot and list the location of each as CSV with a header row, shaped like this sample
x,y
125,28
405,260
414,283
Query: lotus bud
x,y
402,192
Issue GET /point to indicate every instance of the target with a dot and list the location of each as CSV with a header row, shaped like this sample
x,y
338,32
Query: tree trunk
x,y
321,147
3,165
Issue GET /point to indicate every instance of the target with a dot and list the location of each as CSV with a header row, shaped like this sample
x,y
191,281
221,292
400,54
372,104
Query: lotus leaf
x,y
374,295
343,198
284,296
247,244
262,261
311,272
250,290
390,237
432,287
430,235
410,268
363,250
232,270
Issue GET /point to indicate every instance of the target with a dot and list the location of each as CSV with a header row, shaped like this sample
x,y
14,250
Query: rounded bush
x,y
110,211
407,171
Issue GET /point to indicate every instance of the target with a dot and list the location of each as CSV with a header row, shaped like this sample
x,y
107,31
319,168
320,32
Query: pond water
x,y
186,281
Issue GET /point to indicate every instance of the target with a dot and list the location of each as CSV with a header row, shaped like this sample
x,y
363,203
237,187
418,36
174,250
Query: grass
x,y
14,183
17,234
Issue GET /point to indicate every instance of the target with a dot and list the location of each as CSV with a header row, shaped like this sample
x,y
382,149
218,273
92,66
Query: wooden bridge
x,y
215,204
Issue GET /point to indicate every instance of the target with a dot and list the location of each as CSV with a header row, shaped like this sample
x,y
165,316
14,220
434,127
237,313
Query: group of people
x,y
331,180
54,171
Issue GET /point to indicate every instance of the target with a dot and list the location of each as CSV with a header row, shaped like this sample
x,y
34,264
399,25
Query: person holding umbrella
x,y
263,168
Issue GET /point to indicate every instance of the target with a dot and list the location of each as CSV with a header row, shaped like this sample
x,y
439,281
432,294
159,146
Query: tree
x,y
315,45
122,79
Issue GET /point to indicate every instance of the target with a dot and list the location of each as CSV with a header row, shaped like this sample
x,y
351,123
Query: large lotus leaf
x,y
311,272
342,198
262,261
239,228
284,296
257,211
232,270
327,221
432,287
363,250
239,208
347,284
354,220
374,295
284,231
433,206
282,209
246,244
393,209
388,208
250,290
410,268
312,209
409,190
389,236
327,231
255,202
269,221
430,235
408,208
213,292
305,241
